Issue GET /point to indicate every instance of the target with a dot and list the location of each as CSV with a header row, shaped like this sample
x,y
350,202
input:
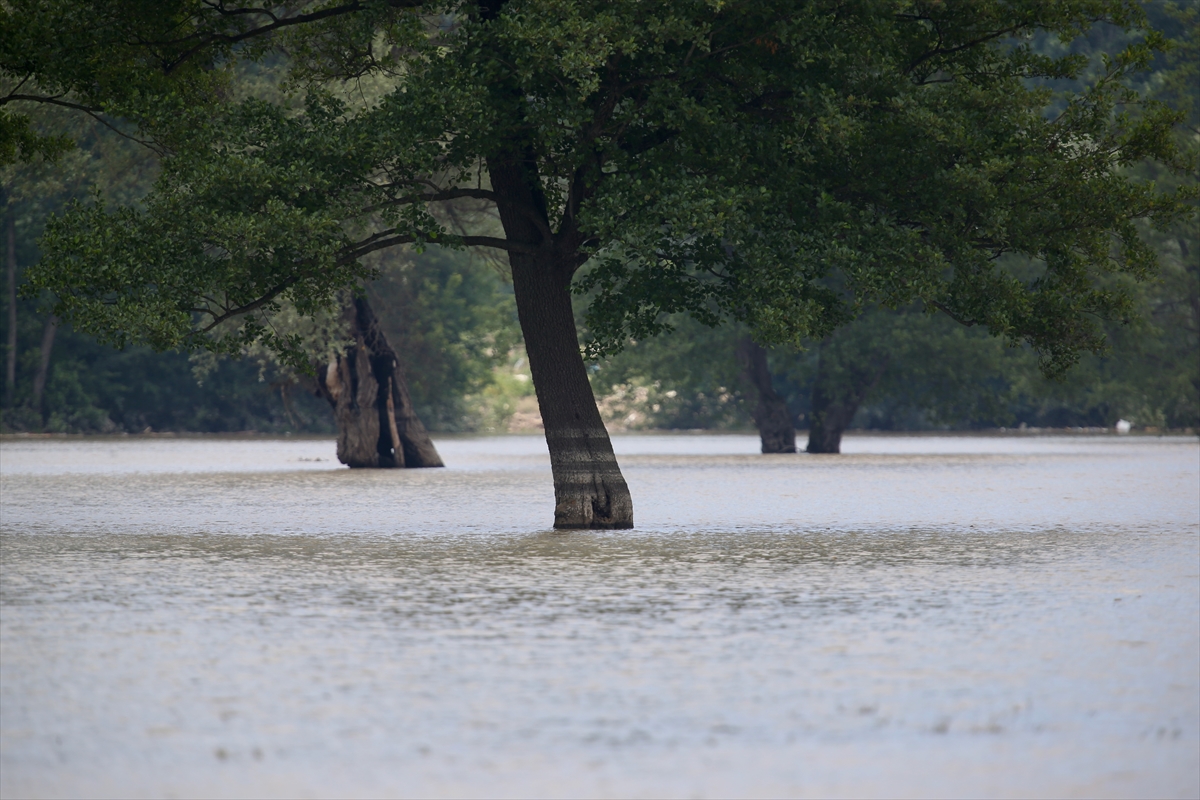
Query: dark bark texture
x,y
589,490
771,415
837,393
376,424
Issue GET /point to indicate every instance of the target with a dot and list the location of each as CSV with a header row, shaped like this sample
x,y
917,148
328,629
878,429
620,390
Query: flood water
x,y
922,616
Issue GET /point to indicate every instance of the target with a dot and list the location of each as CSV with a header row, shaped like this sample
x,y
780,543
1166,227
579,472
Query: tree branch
x,y
499,244
380,241
970,323
437,197
277,23
946,51
251,306
54,101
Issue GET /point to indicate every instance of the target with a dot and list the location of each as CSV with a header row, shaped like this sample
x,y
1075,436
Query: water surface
x,y
923,616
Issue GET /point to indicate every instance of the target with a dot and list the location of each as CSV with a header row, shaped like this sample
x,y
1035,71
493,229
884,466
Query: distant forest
x,y
451,317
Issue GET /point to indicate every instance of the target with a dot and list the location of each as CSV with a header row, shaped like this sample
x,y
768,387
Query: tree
x,y
906,362
1150,373
450,314
776,163
688,378
30,191
452,323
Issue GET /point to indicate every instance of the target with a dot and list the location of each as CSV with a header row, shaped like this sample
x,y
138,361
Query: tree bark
x,y
39,380
589,489
770,414
377,426
836,396
10,366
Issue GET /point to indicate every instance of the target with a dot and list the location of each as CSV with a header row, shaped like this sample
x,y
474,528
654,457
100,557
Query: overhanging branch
x,y
277,23
500,244
91,112
436,197
270,295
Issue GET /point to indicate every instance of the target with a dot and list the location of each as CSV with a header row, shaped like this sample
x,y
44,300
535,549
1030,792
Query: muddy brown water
x,y
922,616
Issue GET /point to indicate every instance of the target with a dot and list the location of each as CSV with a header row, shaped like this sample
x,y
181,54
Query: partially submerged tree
x,y
777,163
770,414
352,366
365,384
911,361
837,394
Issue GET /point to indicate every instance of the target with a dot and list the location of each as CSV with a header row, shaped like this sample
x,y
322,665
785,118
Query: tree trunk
x,y
39,380
836,396
10,366
770,414
377,426
589,490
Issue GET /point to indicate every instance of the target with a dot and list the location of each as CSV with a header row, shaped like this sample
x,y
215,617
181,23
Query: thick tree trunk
x,y
377,426
39,379
836,396
770,414
589,490
10,366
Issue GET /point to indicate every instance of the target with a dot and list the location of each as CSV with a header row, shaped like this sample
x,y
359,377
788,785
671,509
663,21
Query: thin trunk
x,y
836,396
589,490
10,366
377,426
288,411
39,380
770,414
1193,294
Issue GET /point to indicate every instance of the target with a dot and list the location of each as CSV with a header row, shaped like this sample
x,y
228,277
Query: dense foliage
x,y
450,315
719,160
787,166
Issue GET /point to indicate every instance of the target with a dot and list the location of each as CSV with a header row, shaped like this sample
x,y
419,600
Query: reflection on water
x,y
923,616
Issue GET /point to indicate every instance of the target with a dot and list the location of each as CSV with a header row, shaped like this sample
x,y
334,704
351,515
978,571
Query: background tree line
x,y
451,318
450,314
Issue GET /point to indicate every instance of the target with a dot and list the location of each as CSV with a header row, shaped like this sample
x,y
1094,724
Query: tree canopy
x,y
711,158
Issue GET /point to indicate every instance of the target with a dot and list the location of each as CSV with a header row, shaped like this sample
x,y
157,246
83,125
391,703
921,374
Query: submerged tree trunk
x,y
377,426
39,380
837,393
589,490
770,413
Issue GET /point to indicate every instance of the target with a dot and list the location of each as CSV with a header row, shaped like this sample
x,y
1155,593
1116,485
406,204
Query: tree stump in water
x,y
376,424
